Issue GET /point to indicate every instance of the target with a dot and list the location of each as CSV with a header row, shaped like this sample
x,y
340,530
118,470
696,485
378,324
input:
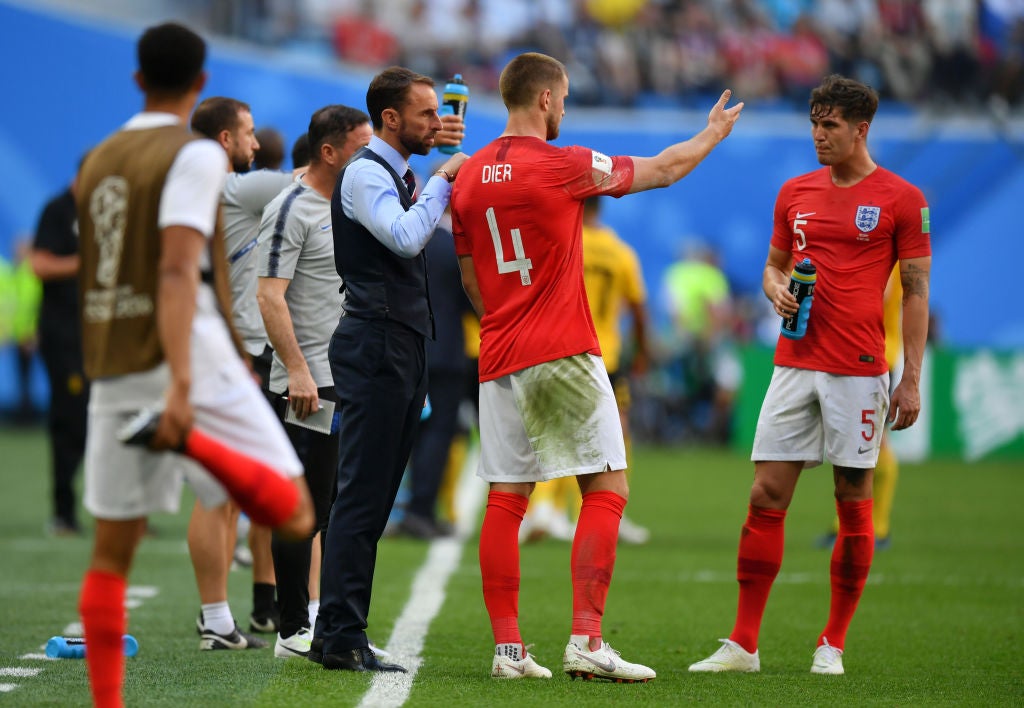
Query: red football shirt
x,y
853,236
517,209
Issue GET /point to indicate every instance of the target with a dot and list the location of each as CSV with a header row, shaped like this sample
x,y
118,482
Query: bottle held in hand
x,y
801,284
453,102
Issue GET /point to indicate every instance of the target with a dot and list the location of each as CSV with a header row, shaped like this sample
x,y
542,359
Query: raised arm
x,y
678,160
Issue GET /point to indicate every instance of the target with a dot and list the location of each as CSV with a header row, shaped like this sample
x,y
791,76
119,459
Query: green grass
x,y
940,622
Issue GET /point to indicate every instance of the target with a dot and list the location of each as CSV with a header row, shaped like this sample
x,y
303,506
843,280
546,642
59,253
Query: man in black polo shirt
x,y
55,261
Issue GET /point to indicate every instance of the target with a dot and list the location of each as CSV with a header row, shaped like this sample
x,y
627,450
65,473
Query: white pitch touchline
x,y
390,690
19,671
7,687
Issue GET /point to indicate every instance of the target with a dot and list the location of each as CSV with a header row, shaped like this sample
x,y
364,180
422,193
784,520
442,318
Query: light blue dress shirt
x,y
377,205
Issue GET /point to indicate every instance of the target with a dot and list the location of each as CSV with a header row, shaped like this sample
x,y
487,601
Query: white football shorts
x,y
810,416
555,419
126,482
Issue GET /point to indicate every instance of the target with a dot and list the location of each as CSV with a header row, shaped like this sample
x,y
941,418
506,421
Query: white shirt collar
x,y
150,119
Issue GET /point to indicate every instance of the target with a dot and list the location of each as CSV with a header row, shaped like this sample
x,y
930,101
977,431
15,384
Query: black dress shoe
x,y
361,659
316,650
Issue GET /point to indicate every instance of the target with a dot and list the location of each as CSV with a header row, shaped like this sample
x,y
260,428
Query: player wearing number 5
x,y
546,406
828,396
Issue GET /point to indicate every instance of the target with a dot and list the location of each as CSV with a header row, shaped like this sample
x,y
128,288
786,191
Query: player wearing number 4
x,y
546,406
829,394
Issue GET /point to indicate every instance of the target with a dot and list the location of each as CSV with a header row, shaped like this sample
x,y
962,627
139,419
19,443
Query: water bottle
x,y
453,102
801,284
74,647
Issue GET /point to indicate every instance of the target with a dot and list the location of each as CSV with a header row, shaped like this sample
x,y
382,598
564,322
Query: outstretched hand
x,y
722,119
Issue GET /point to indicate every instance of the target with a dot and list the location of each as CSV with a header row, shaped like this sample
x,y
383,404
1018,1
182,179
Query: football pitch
x,y
941,621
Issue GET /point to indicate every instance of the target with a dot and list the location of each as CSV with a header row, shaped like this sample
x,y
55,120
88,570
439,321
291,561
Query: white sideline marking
x,y
7,687
390,690
74,630
18,671
143,591
36,657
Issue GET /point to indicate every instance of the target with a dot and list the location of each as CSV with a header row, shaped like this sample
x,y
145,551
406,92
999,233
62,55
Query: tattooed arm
x,y
906,399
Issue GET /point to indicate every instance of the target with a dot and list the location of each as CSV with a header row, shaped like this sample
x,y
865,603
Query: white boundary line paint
x,y
19,671
390,690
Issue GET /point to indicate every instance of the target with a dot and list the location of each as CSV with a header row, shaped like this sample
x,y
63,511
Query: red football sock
x,y
757,564
101,606
593,559
267,497
499,563
851,562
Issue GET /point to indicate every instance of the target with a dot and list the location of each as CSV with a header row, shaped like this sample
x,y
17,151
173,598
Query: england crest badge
x,y
867,218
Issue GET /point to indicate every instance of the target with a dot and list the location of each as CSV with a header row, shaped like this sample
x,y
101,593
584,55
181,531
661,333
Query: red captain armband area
x,y
612,176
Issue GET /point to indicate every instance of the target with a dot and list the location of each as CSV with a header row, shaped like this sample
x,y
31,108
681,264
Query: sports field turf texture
x,y
940,622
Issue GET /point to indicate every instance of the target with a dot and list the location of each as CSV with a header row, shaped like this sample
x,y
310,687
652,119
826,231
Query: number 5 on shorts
x,y
866,417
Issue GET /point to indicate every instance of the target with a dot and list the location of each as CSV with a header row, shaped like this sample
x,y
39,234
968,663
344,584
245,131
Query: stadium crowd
x,y
963,53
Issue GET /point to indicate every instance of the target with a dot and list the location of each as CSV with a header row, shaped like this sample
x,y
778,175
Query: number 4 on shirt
x,y
521,264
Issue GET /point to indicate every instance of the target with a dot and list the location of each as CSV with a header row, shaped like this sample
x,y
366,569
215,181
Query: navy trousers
x,y
380,377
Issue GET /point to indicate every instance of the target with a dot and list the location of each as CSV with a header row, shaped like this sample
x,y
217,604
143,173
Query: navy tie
x,y
410,183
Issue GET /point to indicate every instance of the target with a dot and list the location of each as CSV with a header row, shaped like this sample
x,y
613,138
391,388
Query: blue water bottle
x,y
74,647
801,284
453,102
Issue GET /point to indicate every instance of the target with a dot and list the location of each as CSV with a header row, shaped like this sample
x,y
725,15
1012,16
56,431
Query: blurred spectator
x,y
903,50
358,37
801,59
55,261
701,61
300,151
20,294
651,52
270,155
953,30
1002,50
850,29
749,45
698,297
786,13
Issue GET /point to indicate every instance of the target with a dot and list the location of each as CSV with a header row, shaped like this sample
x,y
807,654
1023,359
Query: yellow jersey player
x,y
614,284
887,470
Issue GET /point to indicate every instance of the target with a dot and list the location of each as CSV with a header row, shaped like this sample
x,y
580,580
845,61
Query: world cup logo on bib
x,y
867,218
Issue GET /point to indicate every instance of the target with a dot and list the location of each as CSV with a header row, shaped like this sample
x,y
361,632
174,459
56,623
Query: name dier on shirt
x,y
501,172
